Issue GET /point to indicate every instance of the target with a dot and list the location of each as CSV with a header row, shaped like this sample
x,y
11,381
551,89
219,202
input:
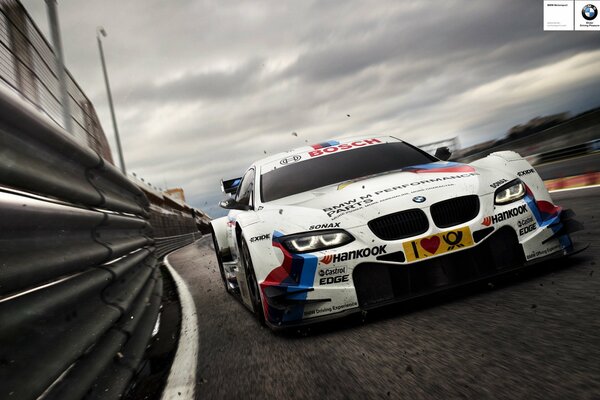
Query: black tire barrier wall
x,y
80,289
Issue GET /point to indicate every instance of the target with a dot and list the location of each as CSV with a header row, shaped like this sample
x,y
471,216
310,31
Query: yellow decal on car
x,y
437,244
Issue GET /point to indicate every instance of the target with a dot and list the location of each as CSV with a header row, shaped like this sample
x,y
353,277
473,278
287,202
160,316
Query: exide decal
x,y
343,146
526,172
504,215
261,237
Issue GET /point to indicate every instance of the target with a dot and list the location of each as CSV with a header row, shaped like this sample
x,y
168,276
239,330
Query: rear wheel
x,y
253,288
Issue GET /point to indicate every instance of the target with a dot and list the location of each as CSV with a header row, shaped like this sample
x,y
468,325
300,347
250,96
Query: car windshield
x,y
339,167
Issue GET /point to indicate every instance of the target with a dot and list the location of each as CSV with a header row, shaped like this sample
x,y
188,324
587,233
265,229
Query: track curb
x,y
181,383
588,179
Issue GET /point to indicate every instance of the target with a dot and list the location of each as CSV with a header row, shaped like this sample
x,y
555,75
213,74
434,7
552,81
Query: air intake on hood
x,y
455,211
400,225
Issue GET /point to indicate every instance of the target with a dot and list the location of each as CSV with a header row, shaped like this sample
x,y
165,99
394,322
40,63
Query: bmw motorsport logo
x,y
589,12
419,199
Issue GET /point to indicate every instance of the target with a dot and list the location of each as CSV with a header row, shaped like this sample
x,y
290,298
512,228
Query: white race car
x,y
343,226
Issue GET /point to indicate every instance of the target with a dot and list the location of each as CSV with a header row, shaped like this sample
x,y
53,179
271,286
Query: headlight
x,y
512,191
315,241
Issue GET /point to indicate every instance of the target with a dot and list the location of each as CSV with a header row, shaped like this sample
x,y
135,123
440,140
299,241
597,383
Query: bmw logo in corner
x,y
589,12
419,199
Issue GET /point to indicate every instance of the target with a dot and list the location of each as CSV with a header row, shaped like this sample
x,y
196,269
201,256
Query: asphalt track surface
x,y
570,167
535,335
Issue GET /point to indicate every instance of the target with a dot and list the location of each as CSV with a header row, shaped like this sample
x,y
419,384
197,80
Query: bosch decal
x,y
343,146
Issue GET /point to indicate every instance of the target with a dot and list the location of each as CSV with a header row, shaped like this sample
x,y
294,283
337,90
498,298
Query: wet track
x,y
531,336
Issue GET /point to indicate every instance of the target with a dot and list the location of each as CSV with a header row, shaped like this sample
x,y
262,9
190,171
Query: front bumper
x,y
364,276
378,284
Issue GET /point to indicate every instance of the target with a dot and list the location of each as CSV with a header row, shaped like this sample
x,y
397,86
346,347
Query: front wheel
x,y
253,289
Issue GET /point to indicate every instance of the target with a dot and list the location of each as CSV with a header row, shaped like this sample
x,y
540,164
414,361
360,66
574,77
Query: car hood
x,y
355,203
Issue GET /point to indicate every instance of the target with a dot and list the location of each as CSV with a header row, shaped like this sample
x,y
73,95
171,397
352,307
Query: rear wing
x,y
230,186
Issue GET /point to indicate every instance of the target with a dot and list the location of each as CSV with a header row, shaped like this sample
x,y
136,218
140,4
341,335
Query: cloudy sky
x,y
202,88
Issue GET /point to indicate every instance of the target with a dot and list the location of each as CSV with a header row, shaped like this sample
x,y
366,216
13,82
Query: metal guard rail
x,y
567,152
80,288
168,244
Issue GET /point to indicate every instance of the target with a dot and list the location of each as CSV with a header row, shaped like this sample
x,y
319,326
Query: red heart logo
x,y
431,244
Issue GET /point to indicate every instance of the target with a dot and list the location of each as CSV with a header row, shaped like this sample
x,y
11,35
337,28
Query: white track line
x,y
181,383
574,188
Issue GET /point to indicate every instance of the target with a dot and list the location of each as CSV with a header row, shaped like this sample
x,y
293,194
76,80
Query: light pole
x,y
100,31
60,64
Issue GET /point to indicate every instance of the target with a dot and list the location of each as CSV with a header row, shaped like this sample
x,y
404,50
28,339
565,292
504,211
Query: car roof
x,y
319,149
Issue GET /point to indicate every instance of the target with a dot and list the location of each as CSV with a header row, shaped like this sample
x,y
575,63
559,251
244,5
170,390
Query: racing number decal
x,y
439,243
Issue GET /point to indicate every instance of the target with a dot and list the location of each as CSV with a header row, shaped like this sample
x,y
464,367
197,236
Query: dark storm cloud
x,y
505,35
202,88
194,86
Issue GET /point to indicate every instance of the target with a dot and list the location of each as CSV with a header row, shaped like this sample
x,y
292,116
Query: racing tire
x,y
220,262
253,288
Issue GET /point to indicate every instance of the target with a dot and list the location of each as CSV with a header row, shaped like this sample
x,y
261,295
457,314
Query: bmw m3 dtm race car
x,y
343,226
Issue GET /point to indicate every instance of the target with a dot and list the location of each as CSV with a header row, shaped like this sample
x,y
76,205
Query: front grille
x,y
400,225
455,211
378,284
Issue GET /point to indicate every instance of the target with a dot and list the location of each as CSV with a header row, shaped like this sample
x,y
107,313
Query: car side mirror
x,y
443,153
230,204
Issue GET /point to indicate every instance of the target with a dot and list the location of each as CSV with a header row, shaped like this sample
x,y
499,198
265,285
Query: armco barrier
x,y
80,289
568,152
168,244
580,129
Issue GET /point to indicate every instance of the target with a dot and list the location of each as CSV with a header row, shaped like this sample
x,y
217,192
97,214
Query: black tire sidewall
x,y
249,270
220,261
